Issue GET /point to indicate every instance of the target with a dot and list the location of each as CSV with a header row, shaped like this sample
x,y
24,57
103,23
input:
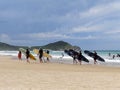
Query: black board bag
x,y
72,52
91,54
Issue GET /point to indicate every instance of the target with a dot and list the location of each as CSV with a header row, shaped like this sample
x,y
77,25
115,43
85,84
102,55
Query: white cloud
x,y
96,12
89,37
4,37
7,39
113,32
45,35
95,19
56,35
101,10
85,29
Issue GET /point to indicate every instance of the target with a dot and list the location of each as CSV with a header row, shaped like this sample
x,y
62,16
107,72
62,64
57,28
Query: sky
x,y
89,24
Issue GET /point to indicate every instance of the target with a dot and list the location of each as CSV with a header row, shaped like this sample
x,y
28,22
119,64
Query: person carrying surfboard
x,y
95,57
74,59
80,57
40,55
27,55
47,57
19,55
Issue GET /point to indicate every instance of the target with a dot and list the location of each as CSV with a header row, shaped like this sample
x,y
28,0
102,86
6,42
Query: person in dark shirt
x,y
27,55
40,55
95,57
74,59
47,57
80,57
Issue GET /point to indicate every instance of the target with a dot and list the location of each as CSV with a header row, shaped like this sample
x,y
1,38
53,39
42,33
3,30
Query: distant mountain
x,y
60,45
4,46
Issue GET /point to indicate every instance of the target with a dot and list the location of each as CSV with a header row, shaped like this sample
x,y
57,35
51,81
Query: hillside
x,y
60,45
4,46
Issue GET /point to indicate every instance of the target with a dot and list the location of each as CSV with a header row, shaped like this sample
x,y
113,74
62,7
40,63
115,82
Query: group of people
x,y
79,58
113,56
40,54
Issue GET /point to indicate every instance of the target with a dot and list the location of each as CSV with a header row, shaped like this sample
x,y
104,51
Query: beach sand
x,y
19,75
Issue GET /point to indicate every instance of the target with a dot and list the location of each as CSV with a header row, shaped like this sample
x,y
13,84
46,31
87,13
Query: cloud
x,y
101,10
4,37
45,35
99,18
113,32
85,29
9,39
56,35
88,37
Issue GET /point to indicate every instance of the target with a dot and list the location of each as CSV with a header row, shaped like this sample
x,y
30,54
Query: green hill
x,y
60,45
4,46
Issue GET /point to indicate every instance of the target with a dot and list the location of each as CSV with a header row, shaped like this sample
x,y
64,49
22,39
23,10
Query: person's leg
x,y
47,59
73,61
80,62
95,61
40,59
28,59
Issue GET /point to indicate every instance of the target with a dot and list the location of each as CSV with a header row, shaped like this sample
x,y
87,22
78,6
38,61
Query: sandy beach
x,y
19,75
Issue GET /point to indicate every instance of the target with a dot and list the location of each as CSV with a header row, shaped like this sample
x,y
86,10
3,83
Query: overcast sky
x,y
90,24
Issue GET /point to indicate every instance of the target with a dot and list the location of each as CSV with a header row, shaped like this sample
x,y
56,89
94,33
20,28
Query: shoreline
x,y
115,63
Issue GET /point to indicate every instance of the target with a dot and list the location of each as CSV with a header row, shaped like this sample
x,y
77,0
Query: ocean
x,y
57,57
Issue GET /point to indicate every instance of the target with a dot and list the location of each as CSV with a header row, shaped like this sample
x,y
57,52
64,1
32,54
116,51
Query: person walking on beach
x,y
40,55
80,57
113,57
61,58
27,55
47,57
62,55
95,57
74,59
19,55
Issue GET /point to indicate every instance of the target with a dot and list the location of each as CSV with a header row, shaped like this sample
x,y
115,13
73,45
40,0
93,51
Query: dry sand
x,y
19,75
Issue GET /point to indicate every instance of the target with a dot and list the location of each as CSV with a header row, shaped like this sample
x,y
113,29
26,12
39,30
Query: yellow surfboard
x,y
24,52
36,51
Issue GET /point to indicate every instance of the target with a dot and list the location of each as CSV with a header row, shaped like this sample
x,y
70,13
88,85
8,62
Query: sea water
x,y
58,56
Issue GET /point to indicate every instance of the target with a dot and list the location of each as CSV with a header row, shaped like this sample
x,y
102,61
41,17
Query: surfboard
x,y
24,52
73,52
36,51
91,54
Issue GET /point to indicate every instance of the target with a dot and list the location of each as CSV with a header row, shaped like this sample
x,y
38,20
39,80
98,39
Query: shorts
x,y
27,56
40,56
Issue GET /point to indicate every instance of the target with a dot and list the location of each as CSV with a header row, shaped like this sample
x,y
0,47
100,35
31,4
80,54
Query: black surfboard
x,y
91,54
72,53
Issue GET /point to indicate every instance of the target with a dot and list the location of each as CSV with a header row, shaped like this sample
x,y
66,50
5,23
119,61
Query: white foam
x,y
56,55
9,53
